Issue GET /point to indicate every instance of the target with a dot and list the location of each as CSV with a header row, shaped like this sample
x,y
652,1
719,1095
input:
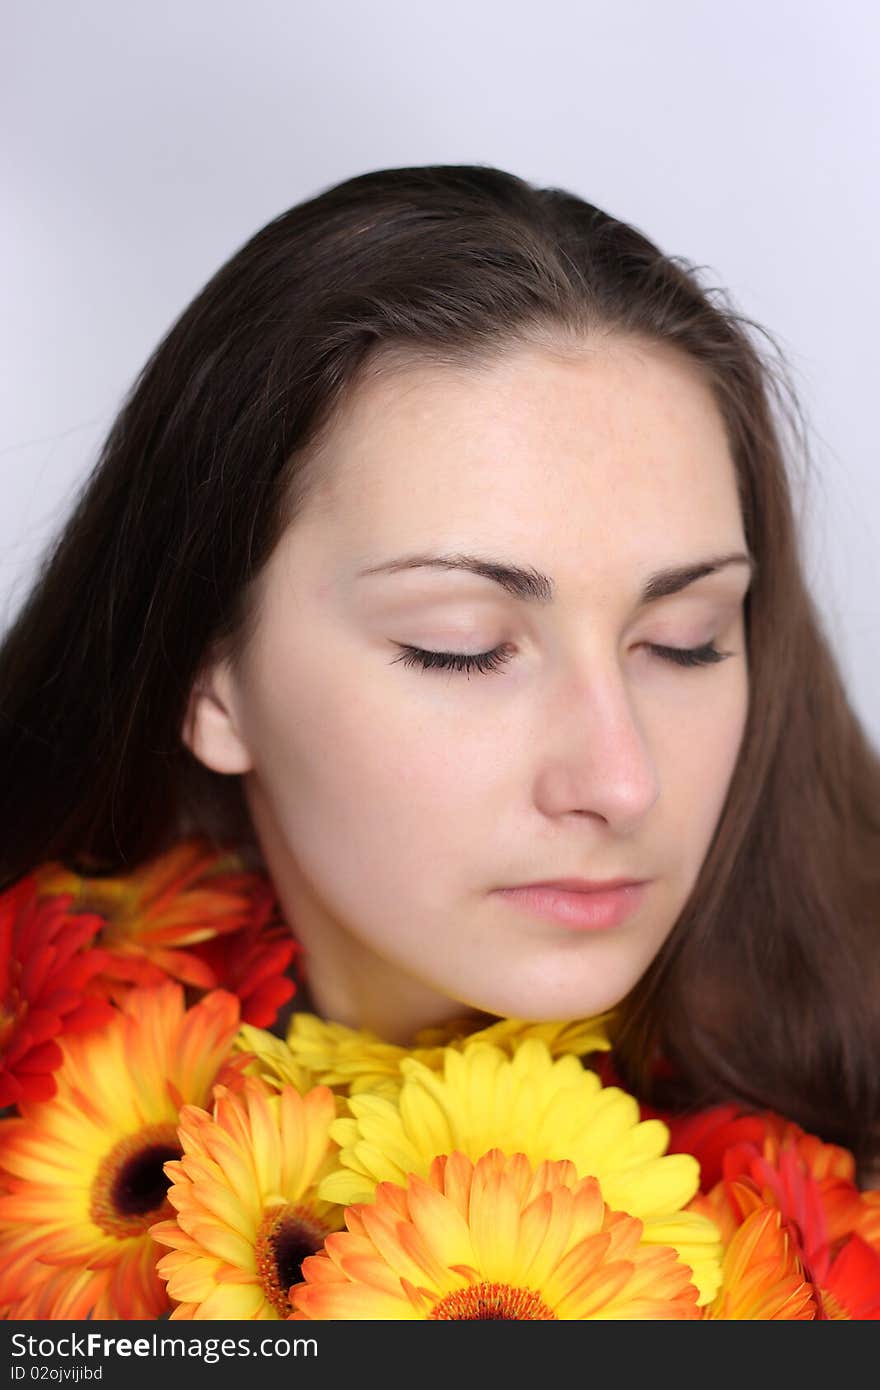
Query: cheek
x,y
699,759
361,778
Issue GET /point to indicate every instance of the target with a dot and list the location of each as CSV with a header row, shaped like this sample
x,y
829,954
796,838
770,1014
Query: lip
x,y
583,885
596,909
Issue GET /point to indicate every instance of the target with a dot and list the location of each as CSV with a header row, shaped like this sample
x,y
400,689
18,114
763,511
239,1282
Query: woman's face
x,y
391,802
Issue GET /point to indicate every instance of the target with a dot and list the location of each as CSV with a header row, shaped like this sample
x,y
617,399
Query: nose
x,y
594,756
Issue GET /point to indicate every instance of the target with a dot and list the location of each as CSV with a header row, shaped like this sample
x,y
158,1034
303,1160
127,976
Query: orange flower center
x,y
287,1234
128,1193
493,1303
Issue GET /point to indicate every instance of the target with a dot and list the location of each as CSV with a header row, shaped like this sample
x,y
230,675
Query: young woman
x,y
445,547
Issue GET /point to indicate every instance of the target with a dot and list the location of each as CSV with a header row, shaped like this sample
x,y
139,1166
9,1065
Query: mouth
x,y
582,885
594,909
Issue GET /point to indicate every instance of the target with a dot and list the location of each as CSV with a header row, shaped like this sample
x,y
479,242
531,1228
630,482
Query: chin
x,y
552,1007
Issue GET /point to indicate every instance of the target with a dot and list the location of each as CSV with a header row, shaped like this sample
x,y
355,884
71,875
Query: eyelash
x,y
685,657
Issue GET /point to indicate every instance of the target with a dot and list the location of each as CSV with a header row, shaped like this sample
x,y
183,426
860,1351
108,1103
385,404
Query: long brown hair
x,y
767,988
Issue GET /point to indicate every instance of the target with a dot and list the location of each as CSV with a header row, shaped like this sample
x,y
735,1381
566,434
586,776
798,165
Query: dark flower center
x,y
286,1236
129,1190
141,1184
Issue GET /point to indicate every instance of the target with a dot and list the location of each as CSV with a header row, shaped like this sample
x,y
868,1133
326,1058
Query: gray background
x,y
143,144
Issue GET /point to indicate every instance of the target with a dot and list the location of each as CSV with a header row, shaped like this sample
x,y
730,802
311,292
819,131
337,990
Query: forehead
x,y
619,446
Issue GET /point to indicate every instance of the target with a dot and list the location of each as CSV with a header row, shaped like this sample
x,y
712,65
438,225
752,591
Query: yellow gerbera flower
x,y
545,1108
497,1239
82,1173
353,1060
580,1037
244,1193
260,1053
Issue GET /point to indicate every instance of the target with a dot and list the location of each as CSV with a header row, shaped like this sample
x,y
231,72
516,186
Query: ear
x,y
210,727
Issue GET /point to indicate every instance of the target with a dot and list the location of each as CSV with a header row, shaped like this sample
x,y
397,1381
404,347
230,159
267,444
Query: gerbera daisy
x,y
761,1275
494,1240
713,1135
260,1053
580,1037
709,1134
245,1195
851,1288
354,1060
251,963
153,914
544,1108
772,1161
83,1173
868,1220
44,967
56,1292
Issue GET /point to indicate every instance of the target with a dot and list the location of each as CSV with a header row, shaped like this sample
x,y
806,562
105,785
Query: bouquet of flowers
x,y
163,1153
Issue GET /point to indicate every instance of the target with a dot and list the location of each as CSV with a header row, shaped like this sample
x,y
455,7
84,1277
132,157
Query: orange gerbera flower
x,y
761,1275
158,917
44,968
82,1174
245,1194
495,1239
52,1292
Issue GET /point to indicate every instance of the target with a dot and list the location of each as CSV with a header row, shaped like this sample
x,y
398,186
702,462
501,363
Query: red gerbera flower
x,y
44,968
854,1279
161,919
868,1224
252,964
709,1134
763,1159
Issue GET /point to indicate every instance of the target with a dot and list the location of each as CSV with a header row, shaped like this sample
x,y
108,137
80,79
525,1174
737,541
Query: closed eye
x,y
706,655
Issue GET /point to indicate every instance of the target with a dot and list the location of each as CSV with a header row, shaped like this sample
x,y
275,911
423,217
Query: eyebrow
x,y
534,587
